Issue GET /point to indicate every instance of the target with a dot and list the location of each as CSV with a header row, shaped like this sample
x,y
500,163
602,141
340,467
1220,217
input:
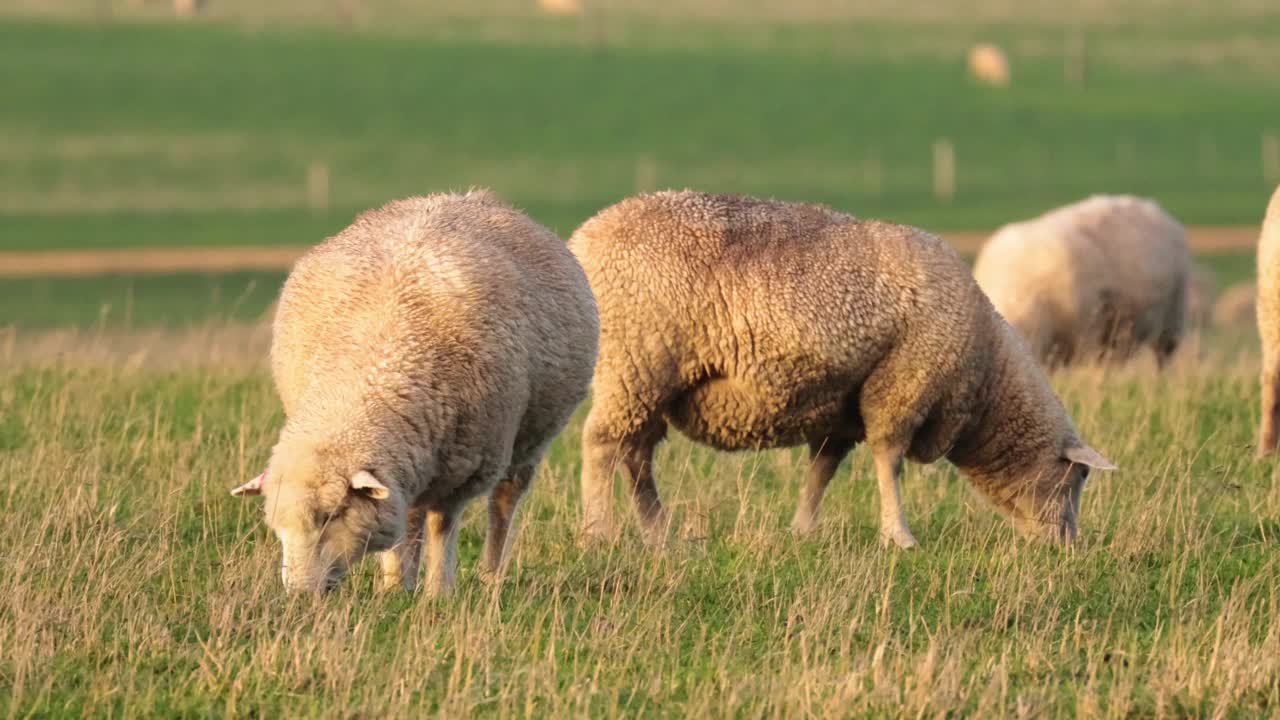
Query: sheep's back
x,y
766,316
460,295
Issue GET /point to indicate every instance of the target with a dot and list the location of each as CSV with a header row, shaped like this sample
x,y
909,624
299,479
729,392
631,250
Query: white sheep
x,y
751,324
988,64
1090,281
560,7
1269,325
425,355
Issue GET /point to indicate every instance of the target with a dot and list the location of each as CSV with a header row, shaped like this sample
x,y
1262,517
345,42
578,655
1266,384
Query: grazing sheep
x,y
988,65
1202,289
1237,307
1091,281
425,355
753,324
1269,324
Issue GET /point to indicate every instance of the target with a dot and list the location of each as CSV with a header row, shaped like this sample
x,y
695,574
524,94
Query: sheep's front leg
x,y
441,550
399,565
502,507
893,522
825,457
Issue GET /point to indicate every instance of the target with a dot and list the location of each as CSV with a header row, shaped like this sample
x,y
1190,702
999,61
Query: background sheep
x,y
753,324
988,65
1237,306
1202,292
1093,280
560,7
1269,324
425,355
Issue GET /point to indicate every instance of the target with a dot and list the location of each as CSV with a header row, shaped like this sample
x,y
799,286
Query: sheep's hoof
x,y
594,535
389,583
900,537
656,530
805,525
654,537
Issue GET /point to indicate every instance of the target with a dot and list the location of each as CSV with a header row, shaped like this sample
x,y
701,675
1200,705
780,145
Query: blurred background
x,y
162,161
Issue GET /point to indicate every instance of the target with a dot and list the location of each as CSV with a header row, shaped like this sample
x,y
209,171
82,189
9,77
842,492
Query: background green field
x,y
121,128
132,584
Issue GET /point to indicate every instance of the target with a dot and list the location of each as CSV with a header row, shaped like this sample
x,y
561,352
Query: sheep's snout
x,y
310,571
312,582
1055,521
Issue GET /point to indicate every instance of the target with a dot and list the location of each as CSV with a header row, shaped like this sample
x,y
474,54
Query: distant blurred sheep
x,y
1096,280
1202,292
1269,324
560,7
188,8
988,65
1237,306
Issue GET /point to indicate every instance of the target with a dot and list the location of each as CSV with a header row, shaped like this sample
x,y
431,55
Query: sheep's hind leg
x,y
398,567
633,454
442,550
637,464
502,507
599,461
825,457
1269,428
893,522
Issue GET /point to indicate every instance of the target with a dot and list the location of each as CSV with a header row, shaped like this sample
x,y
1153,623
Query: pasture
x,y
131,583
134,584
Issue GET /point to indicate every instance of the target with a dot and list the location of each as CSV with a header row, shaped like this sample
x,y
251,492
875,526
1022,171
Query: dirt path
x,y
79,263
1203,239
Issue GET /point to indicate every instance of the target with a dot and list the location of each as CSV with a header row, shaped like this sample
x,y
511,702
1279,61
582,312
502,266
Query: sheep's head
x,y
327,515
1045,501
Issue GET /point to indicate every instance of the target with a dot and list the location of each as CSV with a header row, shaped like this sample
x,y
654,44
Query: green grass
x,y
137,301
148,134
132,584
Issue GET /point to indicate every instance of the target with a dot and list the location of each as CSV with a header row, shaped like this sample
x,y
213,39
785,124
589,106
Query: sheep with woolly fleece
x,y
1095,280
1269,325
751,324
425,355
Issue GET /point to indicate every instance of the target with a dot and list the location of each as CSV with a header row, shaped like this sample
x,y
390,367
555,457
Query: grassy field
x,y
133,584
141,134
267,126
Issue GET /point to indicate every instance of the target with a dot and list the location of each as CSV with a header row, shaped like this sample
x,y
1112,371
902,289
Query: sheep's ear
x,y
1085,455
253,487
366,482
